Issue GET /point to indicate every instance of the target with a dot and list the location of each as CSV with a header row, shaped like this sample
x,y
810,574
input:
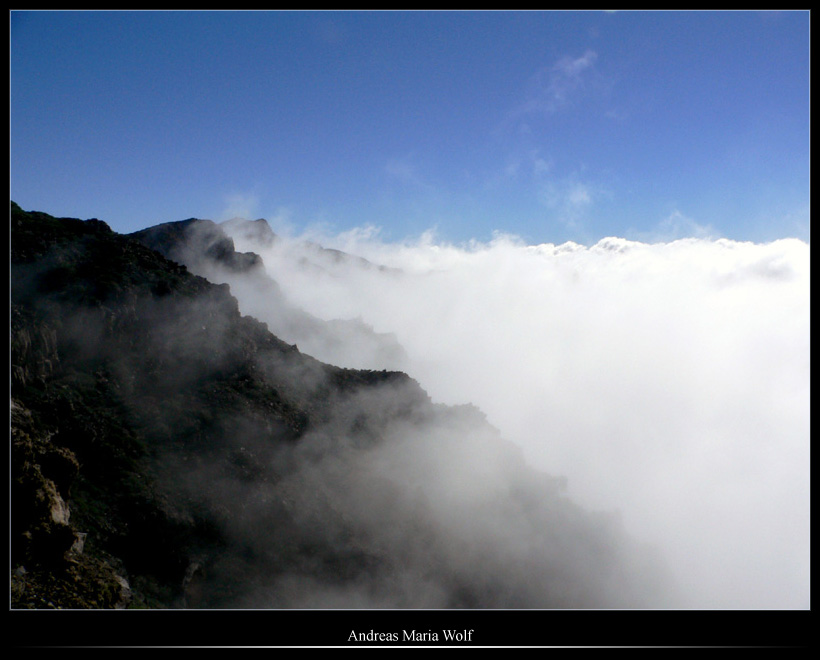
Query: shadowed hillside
x,y
169,452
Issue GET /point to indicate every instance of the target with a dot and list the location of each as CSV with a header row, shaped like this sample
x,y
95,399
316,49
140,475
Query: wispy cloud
x,y
554,87
405,171
567,197
673,227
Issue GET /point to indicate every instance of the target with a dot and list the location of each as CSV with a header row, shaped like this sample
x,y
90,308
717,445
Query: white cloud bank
x,y
668,381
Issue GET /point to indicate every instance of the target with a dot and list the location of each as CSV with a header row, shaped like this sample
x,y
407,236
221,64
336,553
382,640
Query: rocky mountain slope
x,y
207,249
169,452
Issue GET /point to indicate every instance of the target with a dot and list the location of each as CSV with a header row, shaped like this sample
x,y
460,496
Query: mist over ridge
x,y
619,426
410,319
170,452
668,382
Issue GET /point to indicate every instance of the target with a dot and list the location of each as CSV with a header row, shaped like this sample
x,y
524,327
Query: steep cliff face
x,y
169,452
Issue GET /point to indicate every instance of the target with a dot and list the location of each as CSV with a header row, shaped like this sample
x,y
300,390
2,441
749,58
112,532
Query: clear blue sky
x,y
552,126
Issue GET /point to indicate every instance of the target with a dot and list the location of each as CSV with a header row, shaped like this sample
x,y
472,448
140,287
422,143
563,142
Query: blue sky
x,y
551,126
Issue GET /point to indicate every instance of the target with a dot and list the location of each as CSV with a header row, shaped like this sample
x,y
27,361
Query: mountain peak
x,y
190,241
254,230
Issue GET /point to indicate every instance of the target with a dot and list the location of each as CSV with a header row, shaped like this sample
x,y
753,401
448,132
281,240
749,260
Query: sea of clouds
x,y
667,382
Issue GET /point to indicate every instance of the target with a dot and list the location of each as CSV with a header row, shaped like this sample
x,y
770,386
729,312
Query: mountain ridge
x,y
169,452
207,250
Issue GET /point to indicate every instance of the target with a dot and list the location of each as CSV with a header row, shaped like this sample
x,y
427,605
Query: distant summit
x,y
258,231
312,255
318,256
205,248
197,243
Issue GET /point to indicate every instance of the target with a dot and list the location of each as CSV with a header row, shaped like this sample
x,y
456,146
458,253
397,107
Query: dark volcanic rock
x,y
123,362
168,451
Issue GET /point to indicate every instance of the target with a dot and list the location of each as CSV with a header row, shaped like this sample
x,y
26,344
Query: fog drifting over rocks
x,y
667,382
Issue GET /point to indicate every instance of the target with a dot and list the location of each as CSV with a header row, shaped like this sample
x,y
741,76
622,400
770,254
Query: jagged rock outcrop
x,y
43,475
197,244
50,568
